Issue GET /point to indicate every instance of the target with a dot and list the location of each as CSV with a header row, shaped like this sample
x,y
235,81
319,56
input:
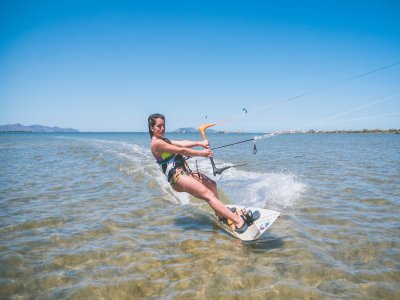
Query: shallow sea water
x,y
91,216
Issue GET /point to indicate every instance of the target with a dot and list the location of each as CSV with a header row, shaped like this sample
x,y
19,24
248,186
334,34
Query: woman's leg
x,y
199,190
208,182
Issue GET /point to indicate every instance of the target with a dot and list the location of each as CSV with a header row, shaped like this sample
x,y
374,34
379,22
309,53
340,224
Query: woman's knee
x,y
202,192
209,195
191,186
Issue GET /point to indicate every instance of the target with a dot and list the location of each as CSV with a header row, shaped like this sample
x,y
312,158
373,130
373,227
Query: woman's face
x,y
159,128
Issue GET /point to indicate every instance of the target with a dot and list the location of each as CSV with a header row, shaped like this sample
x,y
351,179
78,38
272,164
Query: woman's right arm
x,y
160,146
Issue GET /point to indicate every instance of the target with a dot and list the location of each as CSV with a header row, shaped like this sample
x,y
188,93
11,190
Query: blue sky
x,y
106,65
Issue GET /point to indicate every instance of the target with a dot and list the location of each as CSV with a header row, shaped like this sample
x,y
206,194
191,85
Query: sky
x,y
106,65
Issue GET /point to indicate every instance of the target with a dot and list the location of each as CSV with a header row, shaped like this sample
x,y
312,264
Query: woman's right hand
x,y
206,153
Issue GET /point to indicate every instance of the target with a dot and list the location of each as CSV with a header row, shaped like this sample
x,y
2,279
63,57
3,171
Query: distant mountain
x,y
192,130
35,128
186,130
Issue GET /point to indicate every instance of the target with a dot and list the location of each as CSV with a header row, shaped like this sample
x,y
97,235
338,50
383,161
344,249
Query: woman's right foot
x,y
251,216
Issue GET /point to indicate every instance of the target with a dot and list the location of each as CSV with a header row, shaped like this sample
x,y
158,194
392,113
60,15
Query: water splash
x,y
269,190
138,161
259,189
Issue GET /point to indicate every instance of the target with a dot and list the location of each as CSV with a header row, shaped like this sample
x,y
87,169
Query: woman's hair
x,y
152,121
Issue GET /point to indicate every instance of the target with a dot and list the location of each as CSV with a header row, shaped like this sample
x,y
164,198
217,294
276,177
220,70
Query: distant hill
x,y
34,128
192,130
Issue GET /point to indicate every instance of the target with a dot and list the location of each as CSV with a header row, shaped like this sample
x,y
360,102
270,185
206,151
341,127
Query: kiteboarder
x,y
170,155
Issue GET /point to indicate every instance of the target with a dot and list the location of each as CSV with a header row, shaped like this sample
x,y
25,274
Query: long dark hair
x,y
152,121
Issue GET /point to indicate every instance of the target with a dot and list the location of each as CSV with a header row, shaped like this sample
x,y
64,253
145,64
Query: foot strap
x,y
251,216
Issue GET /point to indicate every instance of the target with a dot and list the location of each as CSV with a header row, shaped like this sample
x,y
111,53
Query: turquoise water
x,y
91,216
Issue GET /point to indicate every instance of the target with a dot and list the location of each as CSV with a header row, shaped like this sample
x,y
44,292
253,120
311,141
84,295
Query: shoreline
x,y
310,131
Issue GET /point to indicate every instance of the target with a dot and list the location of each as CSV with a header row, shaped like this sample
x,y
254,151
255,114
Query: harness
x,y
170,164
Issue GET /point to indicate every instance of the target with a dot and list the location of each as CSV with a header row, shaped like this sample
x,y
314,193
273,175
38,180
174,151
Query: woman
x,y
169,154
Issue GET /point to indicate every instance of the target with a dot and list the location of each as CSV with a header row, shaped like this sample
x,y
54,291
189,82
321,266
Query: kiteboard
x,y
256,229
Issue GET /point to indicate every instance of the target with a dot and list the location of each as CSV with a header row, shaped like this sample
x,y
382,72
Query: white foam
x,y
259,189
142,162
262,189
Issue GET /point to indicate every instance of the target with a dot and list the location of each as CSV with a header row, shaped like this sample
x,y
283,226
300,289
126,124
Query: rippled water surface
x,y
91,216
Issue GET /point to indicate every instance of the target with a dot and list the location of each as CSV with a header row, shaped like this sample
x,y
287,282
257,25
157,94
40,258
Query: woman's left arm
x,y
191,144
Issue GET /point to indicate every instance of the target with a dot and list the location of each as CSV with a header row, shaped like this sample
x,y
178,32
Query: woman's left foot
x,y
243,228
224,219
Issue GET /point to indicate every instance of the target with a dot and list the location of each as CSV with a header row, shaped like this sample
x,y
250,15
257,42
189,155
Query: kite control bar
x,y
216,171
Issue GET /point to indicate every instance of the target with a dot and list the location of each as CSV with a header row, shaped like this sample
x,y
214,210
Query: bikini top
x,y
169,162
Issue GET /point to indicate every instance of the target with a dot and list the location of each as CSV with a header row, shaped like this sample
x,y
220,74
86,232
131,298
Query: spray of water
x,y
242,187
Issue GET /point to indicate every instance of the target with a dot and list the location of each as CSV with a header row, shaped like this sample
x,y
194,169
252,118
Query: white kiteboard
x,y
255,230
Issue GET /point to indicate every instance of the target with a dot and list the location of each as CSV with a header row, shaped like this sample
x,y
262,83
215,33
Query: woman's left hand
x,y
205,144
